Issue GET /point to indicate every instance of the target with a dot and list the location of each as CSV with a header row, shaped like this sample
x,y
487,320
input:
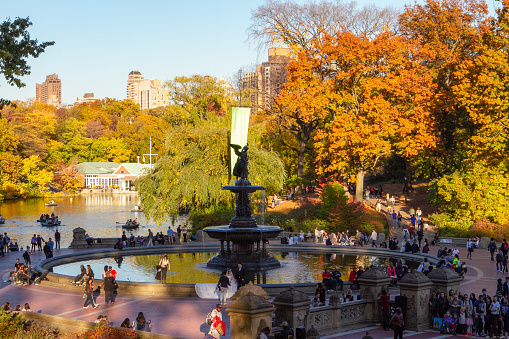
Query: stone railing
x,y
337,318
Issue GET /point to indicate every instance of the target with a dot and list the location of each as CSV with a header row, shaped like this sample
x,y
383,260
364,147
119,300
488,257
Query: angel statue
x,y
240,168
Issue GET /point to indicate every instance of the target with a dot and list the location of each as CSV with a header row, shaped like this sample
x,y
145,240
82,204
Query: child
x,y
469,321
462,323
448,320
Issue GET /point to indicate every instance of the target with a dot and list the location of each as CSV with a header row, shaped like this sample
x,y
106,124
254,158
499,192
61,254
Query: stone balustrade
x,y
337,318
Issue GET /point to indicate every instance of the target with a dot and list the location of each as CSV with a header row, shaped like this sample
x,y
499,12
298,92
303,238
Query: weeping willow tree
x,y
195,167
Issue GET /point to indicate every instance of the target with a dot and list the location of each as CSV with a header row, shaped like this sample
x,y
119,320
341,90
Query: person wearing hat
x,y
213,316
265,332
287,331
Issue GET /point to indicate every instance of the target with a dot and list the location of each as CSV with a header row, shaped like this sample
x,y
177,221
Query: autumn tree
x,y
375,94
482,89
298,26
453,30
15,47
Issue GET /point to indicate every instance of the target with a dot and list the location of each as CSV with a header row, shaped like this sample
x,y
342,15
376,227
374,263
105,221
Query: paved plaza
x,y
185,317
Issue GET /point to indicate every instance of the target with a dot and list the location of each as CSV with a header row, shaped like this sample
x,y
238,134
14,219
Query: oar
x,y
122,223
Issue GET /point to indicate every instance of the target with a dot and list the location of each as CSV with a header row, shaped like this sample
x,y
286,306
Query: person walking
x,y
213,318
374,237
397,323
57,239
26,256
109,287
165,265
222,286
150,238
88,295
394,219
492,247
179,232
40,240
470,248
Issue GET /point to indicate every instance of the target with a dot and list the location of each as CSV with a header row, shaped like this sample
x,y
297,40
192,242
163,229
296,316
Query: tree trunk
x,y
407,186
300,158
359,189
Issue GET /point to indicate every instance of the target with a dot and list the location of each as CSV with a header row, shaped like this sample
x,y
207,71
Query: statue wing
x,y
236,148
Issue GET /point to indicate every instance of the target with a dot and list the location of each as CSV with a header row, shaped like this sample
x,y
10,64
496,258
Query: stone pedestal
x,y
416,287
380,239
371,284
249,314
292,306
250,287
78,238
445,279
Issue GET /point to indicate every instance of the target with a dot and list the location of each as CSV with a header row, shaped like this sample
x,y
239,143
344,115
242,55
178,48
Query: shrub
x,y
347,214
107,332
332,193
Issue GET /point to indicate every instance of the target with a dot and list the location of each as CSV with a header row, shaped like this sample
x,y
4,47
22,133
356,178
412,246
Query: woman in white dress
x,y
209,291
233,284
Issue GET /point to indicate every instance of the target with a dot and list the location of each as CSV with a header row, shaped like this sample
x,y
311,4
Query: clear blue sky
x,y
97,43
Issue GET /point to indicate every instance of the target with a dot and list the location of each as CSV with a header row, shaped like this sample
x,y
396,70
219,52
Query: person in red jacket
x,y
353,275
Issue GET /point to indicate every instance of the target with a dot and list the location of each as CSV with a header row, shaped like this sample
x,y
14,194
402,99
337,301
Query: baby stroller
x,y
448,328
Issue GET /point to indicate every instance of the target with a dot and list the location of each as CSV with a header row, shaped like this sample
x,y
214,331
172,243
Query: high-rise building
x,y
133,86
50,91
266,82
151,95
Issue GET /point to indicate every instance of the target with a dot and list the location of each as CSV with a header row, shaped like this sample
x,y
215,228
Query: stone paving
x,y
185,317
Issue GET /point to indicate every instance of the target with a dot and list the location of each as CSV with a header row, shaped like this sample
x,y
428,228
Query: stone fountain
x,y
244,239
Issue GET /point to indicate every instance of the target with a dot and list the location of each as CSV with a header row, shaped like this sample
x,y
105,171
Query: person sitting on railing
x,y
327,279
80,276
132,240
336,278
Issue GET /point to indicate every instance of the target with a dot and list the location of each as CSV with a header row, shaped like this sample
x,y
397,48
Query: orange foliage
x,y
373,96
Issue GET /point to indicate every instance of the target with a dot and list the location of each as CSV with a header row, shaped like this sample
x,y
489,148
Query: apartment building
x,y
133,86
268,79
50,91
151,95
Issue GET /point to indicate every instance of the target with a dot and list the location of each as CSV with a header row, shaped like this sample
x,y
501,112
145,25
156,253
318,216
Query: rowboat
x,y
133,210
50,204
50,224
130,225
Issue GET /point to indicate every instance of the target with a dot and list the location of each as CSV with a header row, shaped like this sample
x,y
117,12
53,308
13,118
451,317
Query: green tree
x,y
195,98
477,191
332,193
15,47
195,167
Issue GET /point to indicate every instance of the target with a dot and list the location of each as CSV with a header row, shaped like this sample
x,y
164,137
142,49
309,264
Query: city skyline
x,y
95,49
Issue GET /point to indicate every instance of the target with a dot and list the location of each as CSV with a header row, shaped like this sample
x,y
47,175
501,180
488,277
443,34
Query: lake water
x,y
97,214
191,268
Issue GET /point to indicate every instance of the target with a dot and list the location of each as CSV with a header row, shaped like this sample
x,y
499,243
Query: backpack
x,y
505,246
25,255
